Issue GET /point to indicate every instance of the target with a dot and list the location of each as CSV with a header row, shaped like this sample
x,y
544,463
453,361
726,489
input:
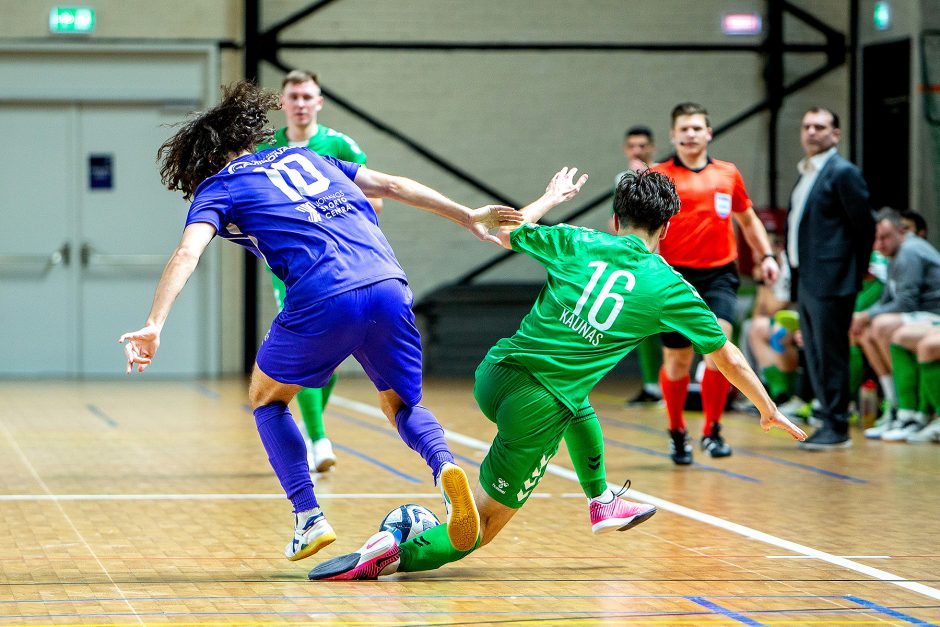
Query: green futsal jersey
x,y
604,295
326,142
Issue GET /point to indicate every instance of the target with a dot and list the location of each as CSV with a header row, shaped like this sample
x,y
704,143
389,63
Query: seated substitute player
x,y
309,218
915,359
604,295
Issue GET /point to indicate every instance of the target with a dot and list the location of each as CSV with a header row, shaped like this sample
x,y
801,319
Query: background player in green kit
x,y
301,100
604,295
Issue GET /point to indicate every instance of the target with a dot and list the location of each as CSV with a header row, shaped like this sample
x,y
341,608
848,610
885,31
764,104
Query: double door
x,y
86,228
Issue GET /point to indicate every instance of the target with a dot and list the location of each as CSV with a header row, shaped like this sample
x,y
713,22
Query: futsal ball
x,y
407,521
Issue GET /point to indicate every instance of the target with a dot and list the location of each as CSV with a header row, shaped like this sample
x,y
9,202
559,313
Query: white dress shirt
x,y
809,168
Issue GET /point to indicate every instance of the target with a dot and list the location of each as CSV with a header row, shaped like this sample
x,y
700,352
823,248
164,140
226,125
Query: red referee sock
x,y
674,394
715,388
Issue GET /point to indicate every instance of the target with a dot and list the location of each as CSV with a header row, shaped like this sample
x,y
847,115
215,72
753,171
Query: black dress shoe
x,y
826,438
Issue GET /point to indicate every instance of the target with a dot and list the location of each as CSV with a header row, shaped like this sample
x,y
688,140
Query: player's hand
x,y
140,347
562,187
860,322
770,270
780,421
493,216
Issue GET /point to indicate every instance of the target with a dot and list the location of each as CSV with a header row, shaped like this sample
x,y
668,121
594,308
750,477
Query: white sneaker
x,y
311,533
320,455
790,407
908,423
463,519
812,419
886,422
930,433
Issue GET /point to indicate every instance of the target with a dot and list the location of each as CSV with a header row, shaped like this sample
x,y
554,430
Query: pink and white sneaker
x,y
609,512
378,556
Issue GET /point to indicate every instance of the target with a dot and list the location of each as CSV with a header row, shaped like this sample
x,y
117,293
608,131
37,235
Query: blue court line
x,y
741,618
787,462
467,460
886,610
588,614
108,420
301,597
383,428
204,390
712,607
649,451
386,430
376,462
363,456
777,460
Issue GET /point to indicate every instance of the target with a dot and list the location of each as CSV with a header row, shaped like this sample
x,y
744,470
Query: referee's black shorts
x,y
718,287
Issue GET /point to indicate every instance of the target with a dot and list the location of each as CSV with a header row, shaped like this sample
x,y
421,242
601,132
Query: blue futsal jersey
x,y
303,214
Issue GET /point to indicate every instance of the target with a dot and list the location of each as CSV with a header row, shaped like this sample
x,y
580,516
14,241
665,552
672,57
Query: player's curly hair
x,y
205,143
645,200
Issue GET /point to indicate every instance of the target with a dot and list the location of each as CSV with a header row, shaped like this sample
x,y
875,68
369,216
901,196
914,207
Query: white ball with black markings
x,y
407,521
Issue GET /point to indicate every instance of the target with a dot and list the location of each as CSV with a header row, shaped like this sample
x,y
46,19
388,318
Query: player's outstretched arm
x,y
140,346
560,188
376,184
736,369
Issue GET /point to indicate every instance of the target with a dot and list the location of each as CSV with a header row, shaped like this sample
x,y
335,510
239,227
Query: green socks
x,y
585,443
429,550
905,375
312,403
650,355
930,382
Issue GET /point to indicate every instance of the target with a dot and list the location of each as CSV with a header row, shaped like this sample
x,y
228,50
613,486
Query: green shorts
x,y
531,423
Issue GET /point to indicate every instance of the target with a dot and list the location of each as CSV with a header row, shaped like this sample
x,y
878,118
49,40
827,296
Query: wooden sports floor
x,y
147,502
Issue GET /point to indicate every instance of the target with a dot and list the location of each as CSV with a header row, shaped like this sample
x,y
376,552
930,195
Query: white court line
x,y
807,557
42,484
219,497
675,508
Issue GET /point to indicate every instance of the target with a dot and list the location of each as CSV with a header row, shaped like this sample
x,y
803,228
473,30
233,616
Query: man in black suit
x,y
830,232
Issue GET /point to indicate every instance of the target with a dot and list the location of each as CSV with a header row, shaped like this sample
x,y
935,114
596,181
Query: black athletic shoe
x,y
680,450
826,439
642,399
714,444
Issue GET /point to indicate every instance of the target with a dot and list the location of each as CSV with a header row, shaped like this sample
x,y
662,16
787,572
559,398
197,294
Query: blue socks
x,y
424,434
287,453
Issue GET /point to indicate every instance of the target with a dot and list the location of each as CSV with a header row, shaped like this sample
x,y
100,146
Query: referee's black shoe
x,y
714,444
680,450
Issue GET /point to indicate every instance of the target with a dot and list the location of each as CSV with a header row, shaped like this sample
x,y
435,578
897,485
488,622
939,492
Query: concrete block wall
x,y
512,118
508,118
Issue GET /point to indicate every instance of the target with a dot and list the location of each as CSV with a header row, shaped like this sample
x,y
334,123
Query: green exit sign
x,y
74,20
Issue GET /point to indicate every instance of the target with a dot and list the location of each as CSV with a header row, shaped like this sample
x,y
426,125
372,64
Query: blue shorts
x,y
374,324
